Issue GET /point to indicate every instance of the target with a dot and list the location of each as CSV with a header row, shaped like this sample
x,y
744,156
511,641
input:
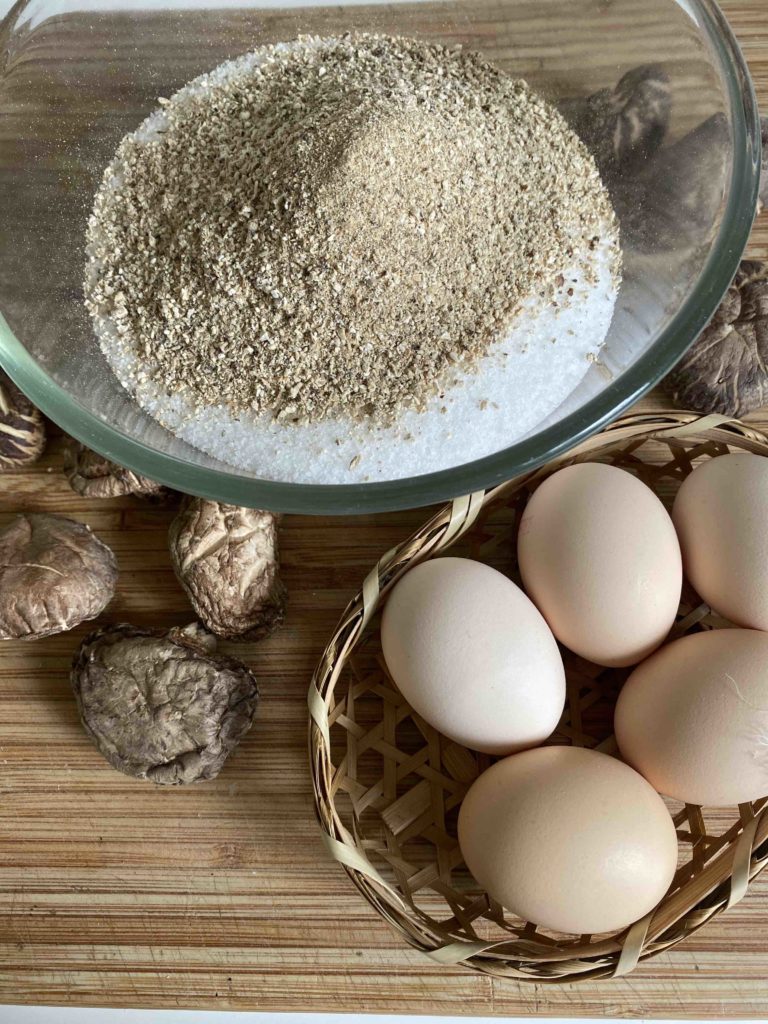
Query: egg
x,y
600,558
720,513
472,655
570,839
693,718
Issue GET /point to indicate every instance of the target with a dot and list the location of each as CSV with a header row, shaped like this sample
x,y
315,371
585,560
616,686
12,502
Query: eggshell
x,y
721,515
570,839
472,655
693,718
600,558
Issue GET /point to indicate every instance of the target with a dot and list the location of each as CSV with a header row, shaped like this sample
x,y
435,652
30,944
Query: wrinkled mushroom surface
x,y
93,476
227,560
54,574
726,369
162,706
22,429
624,126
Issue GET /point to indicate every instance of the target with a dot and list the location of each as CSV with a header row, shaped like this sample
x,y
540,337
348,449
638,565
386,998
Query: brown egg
x,y
720,514
570,839
600,559
473,656
693,718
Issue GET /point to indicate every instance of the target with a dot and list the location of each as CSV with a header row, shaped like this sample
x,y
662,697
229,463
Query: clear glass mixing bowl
x,y
76,75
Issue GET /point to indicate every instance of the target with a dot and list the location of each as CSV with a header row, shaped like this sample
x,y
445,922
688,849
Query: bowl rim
x,y
520,457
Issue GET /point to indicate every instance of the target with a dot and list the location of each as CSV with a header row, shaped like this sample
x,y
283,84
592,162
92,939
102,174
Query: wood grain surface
x,y
114,893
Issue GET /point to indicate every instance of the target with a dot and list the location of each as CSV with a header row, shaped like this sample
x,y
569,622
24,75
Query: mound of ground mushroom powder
x,y
321,259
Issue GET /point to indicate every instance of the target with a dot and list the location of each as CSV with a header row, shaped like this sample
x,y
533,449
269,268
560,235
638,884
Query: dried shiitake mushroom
x,y
162,706
763,194
22,429
54,574
673,203
726,370
623,127
93,476
226,558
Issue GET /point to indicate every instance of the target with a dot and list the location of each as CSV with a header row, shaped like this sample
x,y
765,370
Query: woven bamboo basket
x,y
388,786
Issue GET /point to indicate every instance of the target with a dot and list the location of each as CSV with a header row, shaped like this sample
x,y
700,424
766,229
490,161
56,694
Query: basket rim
x,y
723,881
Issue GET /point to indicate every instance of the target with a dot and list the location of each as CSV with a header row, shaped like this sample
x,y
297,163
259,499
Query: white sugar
x,y
516,386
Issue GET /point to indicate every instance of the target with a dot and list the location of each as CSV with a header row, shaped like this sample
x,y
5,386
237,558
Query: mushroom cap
x,y
162,706
92,476
227,560
623,127
724,371
54,574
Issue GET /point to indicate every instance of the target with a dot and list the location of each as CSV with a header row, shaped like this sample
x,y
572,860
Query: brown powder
x,y
328,232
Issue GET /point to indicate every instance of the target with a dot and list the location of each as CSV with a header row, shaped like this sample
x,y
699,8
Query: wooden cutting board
x,y
115,893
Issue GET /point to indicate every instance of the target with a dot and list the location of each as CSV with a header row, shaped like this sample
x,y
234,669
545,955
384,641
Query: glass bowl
x,y
76,75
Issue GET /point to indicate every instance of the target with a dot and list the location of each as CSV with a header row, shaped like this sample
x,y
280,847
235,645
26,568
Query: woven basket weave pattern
x,y
388,786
